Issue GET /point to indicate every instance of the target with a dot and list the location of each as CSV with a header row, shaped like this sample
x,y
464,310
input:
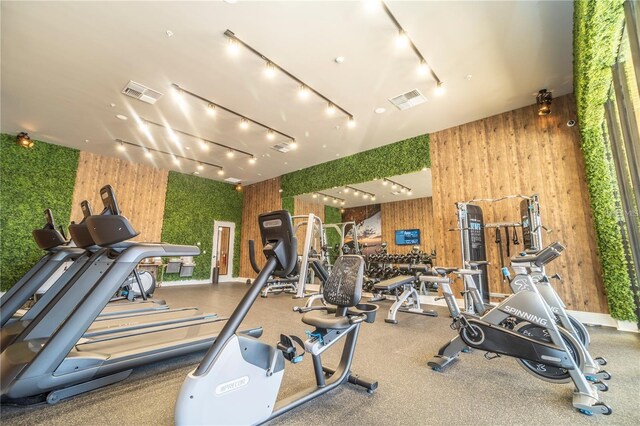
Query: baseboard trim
x,y
185,282
199,282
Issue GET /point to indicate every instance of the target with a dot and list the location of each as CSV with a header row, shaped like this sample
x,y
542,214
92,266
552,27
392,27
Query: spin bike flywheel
x,y
544,371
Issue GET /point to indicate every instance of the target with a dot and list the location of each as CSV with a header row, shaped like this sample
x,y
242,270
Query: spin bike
x,y
524,326
591,367
238,380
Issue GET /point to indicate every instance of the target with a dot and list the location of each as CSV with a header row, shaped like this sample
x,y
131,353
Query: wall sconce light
x,y
544,98
239,187
24,140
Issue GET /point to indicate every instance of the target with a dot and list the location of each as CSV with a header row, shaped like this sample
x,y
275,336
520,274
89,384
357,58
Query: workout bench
x,y
402,304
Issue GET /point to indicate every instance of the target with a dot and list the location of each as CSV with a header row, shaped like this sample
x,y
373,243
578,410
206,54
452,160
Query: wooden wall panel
x,y
258,198
140,191
519,152
408,214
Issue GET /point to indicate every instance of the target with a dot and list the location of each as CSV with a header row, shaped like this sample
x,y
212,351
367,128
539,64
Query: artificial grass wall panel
x,y
407,156
596,38
31,180
192,205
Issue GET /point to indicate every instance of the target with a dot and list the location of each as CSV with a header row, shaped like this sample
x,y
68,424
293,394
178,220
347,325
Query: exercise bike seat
x,y
326,320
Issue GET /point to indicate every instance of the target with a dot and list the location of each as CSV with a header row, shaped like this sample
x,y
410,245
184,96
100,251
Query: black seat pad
x,y
321,319
393,283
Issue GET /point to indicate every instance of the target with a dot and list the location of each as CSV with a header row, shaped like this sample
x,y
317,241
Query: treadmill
x,y
66,363
58,251
82,240
71,288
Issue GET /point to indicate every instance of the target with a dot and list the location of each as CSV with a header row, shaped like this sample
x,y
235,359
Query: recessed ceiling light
x,y
339,59
469,76
121,117
169,33
112,105
380,110
86,141
187,147
324,145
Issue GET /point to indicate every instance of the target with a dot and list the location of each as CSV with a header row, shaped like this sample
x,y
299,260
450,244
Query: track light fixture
x,y
403,40
201,141
327,197
544,98
148,152
244,120
395,185
357,191
270,70
24,140
305,89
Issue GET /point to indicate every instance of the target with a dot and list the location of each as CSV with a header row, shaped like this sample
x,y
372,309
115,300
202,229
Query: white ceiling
x,y
418,184
64,63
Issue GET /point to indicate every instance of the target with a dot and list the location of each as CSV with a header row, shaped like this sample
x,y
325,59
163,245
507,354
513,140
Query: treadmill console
x,y
48,217
86,209
48,237
109,200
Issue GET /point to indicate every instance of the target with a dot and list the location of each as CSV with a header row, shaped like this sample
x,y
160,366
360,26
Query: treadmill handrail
x,y
138,251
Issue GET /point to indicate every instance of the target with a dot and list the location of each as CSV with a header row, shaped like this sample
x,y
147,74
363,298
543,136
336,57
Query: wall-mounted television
x,y
406,237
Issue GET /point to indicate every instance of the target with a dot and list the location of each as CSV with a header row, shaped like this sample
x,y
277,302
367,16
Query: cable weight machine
x,y
471,227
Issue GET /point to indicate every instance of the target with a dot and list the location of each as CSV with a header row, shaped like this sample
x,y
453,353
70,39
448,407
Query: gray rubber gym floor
x,y
472,391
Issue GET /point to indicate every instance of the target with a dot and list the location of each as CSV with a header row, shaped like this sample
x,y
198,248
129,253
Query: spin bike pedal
x,y
287,345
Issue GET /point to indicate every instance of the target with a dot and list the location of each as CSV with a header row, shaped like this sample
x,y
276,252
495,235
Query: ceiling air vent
x,y
140,92
408,100
232,180
282,147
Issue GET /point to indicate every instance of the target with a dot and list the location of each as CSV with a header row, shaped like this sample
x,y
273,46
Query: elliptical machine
x,y
543,348
238,380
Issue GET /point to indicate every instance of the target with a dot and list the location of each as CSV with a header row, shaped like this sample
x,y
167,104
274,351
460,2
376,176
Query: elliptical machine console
x,y
239,378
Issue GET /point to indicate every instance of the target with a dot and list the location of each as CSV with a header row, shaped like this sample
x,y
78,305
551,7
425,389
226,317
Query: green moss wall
x,y
407,156
596,38
192,205
31,180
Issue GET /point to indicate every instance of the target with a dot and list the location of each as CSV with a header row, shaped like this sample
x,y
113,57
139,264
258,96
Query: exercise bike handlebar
x,y
306,309
541,258
252,256
357,319
237,317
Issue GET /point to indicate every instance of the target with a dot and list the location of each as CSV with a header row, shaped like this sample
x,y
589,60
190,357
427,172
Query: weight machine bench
x,y
402,304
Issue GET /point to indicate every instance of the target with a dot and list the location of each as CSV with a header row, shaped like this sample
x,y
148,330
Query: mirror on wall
x,y
396,210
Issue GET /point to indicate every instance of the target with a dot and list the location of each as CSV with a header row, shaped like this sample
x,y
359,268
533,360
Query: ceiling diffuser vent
x,y
282,147
408,100
140,92
232,180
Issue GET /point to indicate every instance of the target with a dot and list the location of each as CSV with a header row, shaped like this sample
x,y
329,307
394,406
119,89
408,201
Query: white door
x,y
222,252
